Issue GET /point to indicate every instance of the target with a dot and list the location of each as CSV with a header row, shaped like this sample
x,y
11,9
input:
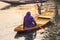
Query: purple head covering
x,y
28,14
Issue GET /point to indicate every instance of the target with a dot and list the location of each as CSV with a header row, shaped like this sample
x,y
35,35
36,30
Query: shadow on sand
x,y
27,35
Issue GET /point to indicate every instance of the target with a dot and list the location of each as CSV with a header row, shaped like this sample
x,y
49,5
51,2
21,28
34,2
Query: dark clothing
x,y
29,21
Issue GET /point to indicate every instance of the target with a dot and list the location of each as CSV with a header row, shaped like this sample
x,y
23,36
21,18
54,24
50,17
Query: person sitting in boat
x,y
29,21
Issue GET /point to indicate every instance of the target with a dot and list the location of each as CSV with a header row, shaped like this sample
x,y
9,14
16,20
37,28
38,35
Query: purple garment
x,y
29,21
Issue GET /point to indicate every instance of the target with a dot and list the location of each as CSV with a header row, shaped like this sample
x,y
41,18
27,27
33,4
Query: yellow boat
x,y
41,21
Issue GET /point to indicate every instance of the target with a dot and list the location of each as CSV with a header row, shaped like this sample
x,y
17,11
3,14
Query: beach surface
x,y
11,18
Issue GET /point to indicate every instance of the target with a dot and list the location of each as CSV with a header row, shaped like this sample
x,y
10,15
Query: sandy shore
x,y
9,19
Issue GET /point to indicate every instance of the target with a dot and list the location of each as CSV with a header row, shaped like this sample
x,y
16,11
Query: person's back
x,y
29,21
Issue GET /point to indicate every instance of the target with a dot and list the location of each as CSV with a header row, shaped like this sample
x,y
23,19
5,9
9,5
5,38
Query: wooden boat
x,y
41,21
